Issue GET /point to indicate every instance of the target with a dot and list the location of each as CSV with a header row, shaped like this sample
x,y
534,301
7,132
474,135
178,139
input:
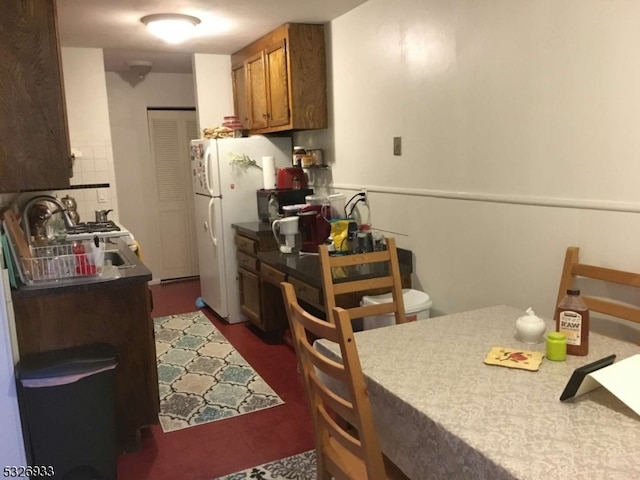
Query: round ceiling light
x,y
171,27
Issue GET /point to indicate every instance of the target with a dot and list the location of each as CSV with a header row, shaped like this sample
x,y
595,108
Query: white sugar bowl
x,y
530,328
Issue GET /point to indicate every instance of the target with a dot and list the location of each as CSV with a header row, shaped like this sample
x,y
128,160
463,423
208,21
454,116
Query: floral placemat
x,y
514,358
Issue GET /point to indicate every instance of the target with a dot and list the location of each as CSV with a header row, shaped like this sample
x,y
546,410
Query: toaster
x,y
291,178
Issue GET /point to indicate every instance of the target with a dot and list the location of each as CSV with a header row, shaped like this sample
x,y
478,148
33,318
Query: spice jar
x,y
556,346
298,153
306,161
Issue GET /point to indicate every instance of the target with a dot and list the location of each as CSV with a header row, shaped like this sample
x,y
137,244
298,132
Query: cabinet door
x,y
274,314
257,92
239,77
277,85
249,292
34,142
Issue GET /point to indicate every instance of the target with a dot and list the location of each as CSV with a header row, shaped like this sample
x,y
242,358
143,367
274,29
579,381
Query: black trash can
x,y
66,400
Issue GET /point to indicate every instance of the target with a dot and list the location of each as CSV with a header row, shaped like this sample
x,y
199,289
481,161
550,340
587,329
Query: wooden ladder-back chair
x,y
573,269
342,452
333,285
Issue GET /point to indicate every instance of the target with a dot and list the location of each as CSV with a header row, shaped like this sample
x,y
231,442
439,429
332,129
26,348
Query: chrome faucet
x,y
49,198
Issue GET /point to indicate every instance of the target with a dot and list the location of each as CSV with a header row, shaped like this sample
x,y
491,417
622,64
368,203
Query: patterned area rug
x,y
297,467
202,377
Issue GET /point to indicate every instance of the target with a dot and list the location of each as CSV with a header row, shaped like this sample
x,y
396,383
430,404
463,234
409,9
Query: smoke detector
x,y
140,67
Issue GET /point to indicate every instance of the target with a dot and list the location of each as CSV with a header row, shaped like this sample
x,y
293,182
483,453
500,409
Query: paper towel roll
x,y
269,172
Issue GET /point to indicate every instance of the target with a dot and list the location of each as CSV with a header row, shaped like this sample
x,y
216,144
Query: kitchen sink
x,y
117,259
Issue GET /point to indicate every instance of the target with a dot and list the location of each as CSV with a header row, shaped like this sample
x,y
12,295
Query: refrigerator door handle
x,y
210,215
207,170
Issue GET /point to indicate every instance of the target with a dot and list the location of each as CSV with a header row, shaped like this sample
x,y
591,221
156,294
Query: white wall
x,y
129,99
520,133
213,88
89,131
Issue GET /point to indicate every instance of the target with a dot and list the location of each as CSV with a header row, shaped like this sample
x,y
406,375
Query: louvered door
x,y
170,132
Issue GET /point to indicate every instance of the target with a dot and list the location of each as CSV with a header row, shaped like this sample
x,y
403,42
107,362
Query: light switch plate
x,y
397,146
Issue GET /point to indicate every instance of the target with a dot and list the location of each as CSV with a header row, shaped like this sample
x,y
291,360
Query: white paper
x,y
269,172
623,380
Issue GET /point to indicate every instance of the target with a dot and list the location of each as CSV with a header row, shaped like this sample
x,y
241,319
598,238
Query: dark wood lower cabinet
x,y
274,314
116,313
256,299
250,296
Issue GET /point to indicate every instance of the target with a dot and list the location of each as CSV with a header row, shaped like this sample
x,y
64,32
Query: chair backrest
x,y
334,271
341,452
573,269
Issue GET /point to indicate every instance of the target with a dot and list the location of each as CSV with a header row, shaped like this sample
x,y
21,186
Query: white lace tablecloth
x,y
442,413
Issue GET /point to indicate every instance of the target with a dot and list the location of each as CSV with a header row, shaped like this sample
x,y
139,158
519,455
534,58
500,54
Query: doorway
x,y
170,132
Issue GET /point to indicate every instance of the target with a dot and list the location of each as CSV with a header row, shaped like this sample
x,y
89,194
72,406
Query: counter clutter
x,y
48,248
261,268
70,301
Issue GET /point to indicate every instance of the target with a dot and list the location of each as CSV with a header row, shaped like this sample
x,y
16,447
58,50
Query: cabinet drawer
x,y
271,275
307,293
245,244
247,261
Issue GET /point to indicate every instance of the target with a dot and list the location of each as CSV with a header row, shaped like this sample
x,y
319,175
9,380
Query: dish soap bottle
x,y
572,319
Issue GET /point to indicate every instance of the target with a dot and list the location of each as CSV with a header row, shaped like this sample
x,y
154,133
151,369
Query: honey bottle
x,y
572,319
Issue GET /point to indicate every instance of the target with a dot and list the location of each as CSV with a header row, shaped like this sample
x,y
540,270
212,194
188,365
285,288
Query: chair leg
x,y
322,472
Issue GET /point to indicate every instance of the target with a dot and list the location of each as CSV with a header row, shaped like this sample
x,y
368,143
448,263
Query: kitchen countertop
x,y
138,273
306,267
253,229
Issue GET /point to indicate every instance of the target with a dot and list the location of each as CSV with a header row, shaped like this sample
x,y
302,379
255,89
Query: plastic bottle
x,y
572,319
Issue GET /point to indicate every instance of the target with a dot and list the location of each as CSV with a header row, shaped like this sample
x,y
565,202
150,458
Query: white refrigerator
x,y
11,443
225,193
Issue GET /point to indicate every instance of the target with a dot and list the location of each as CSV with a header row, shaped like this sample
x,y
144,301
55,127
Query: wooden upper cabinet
x,y
257,89
240,101
278,85
34,140
284,86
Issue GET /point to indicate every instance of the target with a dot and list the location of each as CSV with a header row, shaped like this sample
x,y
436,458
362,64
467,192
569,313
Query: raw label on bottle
x,y
571,326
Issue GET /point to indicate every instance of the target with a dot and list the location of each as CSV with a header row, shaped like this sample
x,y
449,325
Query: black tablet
x,y
580,373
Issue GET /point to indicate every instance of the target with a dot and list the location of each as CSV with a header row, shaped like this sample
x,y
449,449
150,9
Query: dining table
x,y
442,413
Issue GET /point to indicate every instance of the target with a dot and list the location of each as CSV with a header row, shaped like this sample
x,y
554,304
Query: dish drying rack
x,y
50,264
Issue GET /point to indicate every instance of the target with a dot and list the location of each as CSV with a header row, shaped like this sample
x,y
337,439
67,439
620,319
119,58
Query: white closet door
x,y
170,132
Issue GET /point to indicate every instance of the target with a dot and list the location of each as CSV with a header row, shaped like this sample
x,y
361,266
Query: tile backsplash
x,y
93,165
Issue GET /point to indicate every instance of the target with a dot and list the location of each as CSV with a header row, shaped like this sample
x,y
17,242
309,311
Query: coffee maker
x,y
314,227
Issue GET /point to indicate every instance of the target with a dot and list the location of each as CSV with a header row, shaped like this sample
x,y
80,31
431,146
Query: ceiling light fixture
x,y
171,27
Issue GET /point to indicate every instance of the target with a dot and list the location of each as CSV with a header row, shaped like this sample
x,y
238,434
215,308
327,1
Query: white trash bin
x,y
417,306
